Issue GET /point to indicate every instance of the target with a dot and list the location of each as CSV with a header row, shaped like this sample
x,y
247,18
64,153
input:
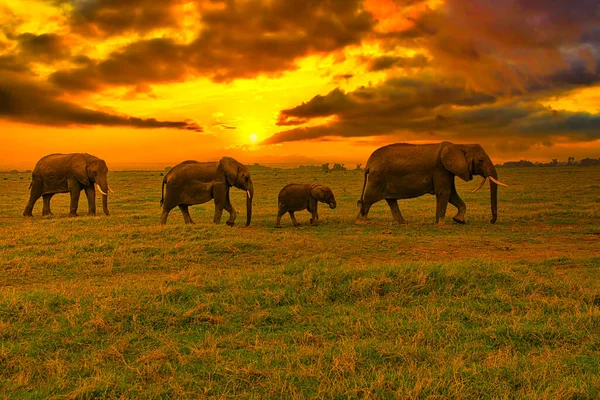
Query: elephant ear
x,y
455,161
231,169
79,169
317,192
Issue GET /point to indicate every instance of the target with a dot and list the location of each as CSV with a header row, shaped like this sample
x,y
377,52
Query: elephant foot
x,y
107,214
92,214
230,223
73,215
459,220
25,214
277,226
400,222
362,221
296,224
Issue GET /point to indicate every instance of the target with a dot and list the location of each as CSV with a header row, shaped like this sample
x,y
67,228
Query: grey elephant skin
x,y
404,171
193,182
68,173
297,197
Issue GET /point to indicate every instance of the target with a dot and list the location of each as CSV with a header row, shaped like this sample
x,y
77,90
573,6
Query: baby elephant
x,y
296,197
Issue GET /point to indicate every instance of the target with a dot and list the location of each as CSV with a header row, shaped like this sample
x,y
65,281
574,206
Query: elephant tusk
x,y
110,190
480,185
248,193
497,182
100,189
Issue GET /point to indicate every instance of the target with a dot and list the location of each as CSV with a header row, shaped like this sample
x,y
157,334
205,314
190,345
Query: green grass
x,y
121,307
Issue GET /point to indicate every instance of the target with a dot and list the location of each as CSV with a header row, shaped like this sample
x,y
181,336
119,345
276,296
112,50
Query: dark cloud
x,y
422,109
12,63
24,100
116,17
387,62
47,47
393,100
241,40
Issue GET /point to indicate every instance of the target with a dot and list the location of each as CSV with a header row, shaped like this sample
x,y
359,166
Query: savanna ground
x,y
122,307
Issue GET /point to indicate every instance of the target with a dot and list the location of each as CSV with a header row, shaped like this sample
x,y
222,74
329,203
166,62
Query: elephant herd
x,y
393,172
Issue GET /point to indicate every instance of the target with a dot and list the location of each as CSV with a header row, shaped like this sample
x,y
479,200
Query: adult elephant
x,y
193,182
68,173
403,171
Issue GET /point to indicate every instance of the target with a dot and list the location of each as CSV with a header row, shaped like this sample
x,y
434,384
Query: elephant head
x,y
466,160
323,194
90,170
238,175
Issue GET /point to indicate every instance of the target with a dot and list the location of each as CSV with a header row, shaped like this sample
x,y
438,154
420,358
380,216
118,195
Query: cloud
x,y
506,47
28,101
242,39
104,18
387,62
420,109
47,47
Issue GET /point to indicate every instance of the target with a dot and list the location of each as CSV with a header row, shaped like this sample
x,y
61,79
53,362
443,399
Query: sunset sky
x,y
147,83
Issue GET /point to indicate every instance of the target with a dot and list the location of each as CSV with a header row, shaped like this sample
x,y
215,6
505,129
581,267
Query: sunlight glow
x,y
253,138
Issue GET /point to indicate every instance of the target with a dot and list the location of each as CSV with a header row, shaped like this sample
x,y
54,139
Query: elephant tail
x,y
362,195
162,197
30,185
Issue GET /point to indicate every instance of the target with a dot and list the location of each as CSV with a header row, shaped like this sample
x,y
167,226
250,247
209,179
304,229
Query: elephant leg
x,y
456,201
186,213
398,218
364,212
46,208
293,217
220,193
312,209
90,193
165,214
280,213
34,195
232,212
442,204
371,197
75,192
315,216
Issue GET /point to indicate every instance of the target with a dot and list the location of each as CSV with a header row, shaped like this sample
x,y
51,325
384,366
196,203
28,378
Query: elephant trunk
x,y
249,198
105,204
103,185
494,195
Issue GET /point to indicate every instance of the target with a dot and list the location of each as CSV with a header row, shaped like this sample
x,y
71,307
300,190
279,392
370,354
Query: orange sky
x,y
145,84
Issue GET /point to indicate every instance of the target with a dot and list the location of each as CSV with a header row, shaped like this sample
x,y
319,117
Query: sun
x,y
253,138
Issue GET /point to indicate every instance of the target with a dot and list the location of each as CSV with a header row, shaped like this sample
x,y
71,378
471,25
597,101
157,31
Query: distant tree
x,y
358,167
325,168
554,161
587,162
520,163
338,167
570,161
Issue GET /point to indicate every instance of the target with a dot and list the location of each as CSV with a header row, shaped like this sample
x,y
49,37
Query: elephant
x,y
404,171
69,173
297,197
192,182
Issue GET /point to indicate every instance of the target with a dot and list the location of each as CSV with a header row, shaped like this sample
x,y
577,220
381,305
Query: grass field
x,y
122,307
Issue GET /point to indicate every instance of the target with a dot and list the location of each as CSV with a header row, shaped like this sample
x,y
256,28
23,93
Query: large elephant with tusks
x,y
193,182
404,171
68,173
